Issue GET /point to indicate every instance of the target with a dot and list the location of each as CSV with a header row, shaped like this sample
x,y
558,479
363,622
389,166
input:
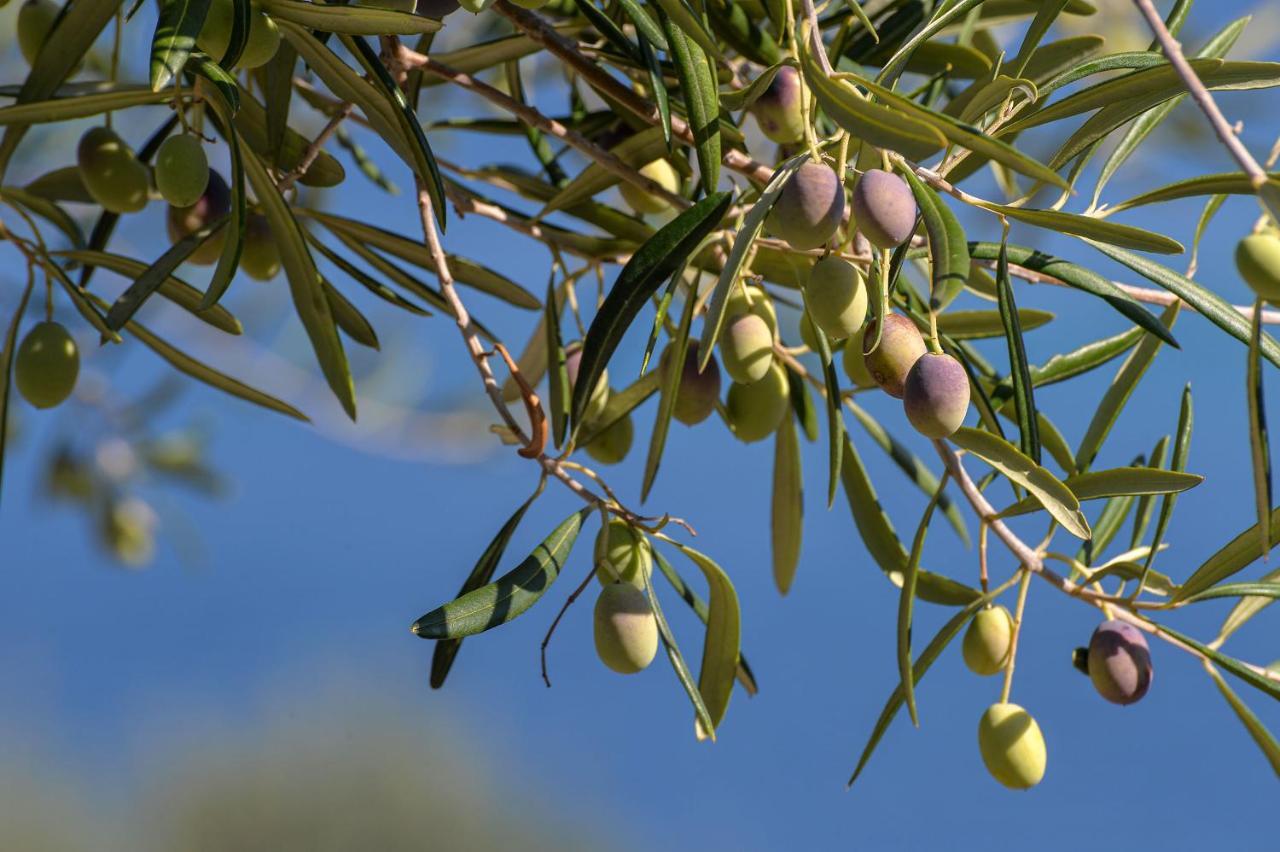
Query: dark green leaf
x,y
1020,372
179,23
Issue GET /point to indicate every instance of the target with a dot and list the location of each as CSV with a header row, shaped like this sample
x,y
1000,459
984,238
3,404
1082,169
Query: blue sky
x,y
310,572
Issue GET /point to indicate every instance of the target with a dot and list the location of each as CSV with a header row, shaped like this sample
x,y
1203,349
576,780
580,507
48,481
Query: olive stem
x,y
1023,585
569,601
317,145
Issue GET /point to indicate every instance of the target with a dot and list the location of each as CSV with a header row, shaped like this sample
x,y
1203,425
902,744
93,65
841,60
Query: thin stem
x,y
1007,686
569,601
1221,127
317,145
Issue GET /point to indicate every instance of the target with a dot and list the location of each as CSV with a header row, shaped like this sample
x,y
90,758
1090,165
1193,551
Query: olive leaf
x,y
786,518
678,665
6,370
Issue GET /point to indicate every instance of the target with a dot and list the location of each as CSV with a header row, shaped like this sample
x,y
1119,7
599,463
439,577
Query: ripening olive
x,y
755,410
1012,746
936,395
747,348
599,394
901,345
215,35
612,445
112,175
855,362
752,299
699,391
622,554
46,365
836,297
212,205
779,110
987,641
884,208
664,175
1258,260
128,529
809,208
182,170
259,256
626,632
1119,662
35,20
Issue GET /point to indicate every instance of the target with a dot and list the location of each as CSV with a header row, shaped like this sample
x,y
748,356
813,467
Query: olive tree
x,y
776,160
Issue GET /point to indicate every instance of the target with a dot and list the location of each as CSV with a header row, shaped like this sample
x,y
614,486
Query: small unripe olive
x,y
612,445
659,171
626,632
1258,260
836,297
901,345
809,208
259,256
936,395
128,529
1012,746
884,208
756,410
212,205
1119,662
599,394
698,390
809,333
182,170
779,110
622,554
46,365
112,175
987,641
752,299
747,348
35,20
215,35
855,363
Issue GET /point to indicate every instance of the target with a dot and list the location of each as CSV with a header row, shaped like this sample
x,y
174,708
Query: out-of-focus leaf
x,y
83,106
446,650
48,210
787,508
1048,489
349,20
1259,443
1122,387
509,596
636,151
277,97
1230,183
6,370
1258,731
652,263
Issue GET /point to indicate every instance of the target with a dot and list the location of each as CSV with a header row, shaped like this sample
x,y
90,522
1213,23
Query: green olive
x,y
46,365
987,641
622,554
112,175
626,632
1012,746
1258,260
35,20
659,171
612,445
215,35
260,256
182,170
756,410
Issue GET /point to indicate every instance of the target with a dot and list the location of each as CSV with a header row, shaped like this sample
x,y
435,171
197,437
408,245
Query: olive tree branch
x,y
1172,50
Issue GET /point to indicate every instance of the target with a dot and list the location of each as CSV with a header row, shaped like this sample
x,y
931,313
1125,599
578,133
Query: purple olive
x,y
936,395
212,206
884,208
1119,662
698,390
809,208
900,347
779,111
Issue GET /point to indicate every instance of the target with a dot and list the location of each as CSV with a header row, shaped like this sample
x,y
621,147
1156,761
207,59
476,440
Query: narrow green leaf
x,y
659,86
648,267
364,279
1257,730
446,650
1229,183
253,123
157,274
176,30
644,23
509,596
977,325
6,369
802,404
720,651
1233,666
1122,387
557,372
681,668
1146,502
670,391
688,25
349,20
699,88
906,603
1259,444
82,106
1255,597
1116,482
636,151
233,244
348,317
1089,228
786,517
1233,557
1048,489
1177,463
948,250
277,96
621,403
1020,372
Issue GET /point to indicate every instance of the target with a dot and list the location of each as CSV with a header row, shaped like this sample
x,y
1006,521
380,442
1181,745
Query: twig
x,y
317,145
1221,127
546,640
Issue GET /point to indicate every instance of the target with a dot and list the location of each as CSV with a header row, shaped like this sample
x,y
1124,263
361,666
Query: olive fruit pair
x,y
1012,746
626,632
756,409
215,35
622,554
110,172
182,170
835,297
884,209
46,365
660,172
1119,662
809,208
599,394
1258,260
779,110
933,387
988,641
699,390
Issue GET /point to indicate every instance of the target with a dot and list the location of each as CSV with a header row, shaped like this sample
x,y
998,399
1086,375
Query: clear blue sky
x,y
313,568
